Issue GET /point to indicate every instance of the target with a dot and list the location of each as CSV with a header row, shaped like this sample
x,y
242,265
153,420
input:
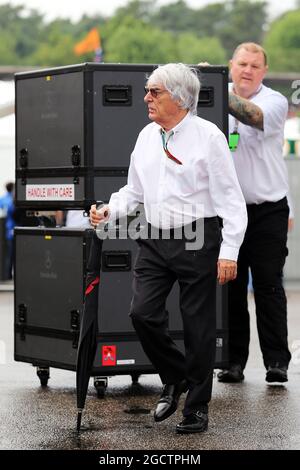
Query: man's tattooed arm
x,y
246,112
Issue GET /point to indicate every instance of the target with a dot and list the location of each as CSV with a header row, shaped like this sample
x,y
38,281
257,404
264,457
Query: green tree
x,y
7,49
193,50
56,49
58,41
176,17
209,20
24,30
282,43
245,22
232,22
9,15
86,23
134,41
139,9
142,32
28,32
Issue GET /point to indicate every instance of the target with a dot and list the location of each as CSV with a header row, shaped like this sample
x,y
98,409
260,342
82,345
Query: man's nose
x,y
147,97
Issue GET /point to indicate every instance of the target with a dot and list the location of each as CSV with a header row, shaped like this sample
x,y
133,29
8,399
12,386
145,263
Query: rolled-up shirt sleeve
x,y
227,197
129,196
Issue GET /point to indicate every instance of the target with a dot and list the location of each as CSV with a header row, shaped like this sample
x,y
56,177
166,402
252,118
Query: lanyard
x,y
234,137
236,125
165,146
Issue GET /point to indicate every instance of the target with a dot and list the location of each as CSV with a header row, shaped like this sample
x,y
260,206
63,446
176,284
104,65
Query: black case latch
x,y
23,161
22,318
75,327
76,161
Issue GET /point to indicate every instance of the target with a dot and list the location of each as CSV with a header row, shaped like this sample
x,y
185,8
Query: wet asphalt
x,y
252,415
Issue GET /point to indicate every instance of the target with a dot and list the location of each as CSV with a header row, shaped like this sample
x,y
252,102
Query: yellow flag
x,y
90,43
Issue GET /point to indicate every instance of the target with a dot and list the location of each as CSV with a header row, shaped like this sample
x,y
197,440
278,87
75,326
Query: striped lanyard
x,y
165,146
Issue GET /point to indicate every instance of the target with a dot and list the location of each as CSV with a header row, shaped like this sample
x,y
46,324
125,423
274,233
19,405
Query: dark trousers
x,y
159,264
264,251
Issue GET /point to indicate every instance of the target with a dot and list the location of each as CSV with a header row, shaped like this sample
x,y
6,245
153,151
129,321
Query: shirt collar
x,y
179,126
231,87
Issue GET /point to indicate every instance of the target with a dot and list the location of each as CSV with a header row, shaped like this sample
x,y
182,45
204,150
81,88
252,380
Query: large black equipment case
x,y
50,274
76,127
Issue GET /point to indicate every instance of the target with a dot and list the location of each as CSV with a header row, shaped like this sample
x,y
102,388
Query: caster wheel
x,y
101,392
100,384
43,374
135,378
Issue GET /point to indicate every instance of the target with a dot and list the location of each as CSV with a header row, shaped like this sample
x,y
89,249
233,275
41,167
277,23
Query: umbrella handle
x,y
99,204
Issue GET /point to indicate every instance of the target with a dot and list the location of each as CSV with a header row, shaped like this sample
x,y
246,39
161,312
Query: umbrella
x,y
89,325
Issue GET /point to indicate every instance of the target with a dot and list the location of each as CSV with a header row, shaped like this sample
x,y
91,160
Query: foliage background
x,y
142,32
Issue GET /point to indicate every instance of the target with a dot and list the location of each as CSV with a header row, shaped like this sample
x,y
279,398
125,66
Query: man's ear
x,y
266,69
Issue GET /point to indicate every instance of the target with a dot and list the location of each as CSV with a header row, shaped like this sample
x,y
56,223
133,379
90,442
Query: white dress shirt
x,y
205,185
258,159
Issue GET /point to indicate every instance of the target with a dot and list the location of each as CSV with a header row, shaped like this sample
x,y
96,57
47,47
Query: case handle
x,y
206,97
116,261
117,95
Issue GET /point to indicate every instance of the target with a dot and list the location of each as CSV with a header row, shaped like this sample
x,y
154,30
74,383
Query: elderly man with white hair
x,y
182,171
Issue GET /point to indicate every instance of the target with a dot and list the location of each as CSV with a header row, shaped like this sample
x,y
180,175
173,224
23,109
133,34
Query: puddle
x,y
137,411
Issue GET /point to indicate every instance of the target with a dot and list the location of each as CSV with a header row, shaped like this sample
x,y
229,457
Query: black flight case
x,y
75,129
50,274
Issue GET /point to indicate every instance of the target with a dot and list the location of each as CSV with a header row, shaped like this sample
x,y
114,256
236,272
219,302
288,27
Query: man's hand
x,y
227,270
100,215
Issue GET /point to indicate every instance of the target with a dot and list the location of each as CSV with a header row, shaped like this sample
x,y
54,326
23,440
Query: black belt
x,y
171,232
268,203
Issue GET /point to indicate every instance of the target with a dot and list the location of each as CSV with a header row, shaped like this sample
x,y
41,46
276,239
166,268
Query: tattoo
x,y
246,112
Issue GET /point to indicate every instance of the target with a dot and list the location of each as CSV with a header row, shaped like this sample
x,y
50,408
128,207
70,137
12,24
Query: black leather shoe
x,y
232,375
195,422
276,373
167,404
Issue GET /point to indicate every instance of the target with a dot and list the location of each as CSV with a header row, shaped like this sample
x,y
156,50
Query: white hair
x,y
181,81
